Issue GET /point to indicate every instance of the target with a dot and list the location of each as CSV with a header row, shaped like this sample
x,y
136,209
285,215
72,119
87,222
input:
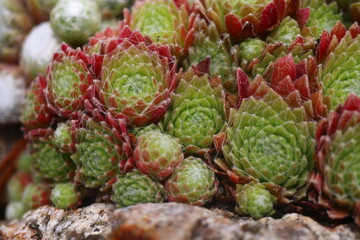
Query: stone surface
x,y
164,221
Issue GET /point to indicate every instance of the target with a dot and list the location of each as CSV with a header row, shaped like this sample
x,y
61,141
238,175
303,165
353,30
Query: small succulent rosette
x,y
65,195
36,195
339,51
135,79
197,111
192,182
136,187
271,137
68,79
17,184
334,184
102,151
158,154
244,19
35,113
208,42
164,21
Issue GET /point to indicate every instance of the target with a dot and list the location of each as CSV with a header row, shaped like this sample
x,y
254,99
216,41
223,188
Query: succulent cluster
x,y
182,97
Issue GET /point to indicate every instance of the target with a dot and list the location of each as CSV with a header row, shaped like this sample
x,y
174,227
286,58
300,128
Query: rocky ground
x,y
164,221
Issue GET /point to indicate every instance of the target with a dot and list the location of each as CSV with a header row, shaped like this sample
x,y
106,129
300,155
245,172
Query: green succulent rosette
x,y
286,32
36,195
65,196
251,49
323,16
38,49
15,210
17,184
340,71
135,187
99,153
192,182
50,163
208,42
75,21
196,112
157,154
63,137
270,138
25,161
15,24
164,21
136,78
68,78
255,200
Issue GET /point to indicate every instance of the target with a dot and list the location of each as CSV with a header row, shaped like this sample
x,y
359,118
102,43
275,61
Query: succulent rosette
x,y
102,151
50,163
287,31
100,39
68,79
15,24
197,111
243,19
164,21
15,210
38,49
340,53
208,42
192,182
63,137
17,184
135,187
270,138
157,154
254,200
65,196
334,182
322,16
136,78
75,21
35,113
36,195
40,9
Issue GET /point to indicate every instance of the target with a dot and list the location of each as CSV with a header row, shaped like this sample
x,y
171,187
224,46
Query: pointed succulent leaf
x,y
157,154
341,69
253,199
36,195
100,153
75,21
196,113
135,187
136,79
334,183
102,38
192,182
65,196
67,78
223,56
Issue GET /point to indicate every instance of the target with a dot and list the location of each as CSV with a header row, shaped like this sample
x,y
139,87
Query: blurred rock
x,y
164,221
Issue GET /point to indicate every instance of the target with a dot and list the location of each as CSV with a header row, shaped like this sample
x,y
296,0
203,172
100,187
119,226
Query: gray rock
x,y
164,221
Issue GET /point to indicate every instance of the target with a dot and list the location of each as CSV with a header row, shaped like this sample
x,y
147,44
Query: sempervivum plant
x,y
68,78
270,138
340,53
135,187
136,78
192,182
323,16
207,42
40,9
157,154
15,23
197,111
17,184
254,200
100,39
36,195
35,113
101,151
65,196
38,49
334,184
75,21
164,21
243,19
